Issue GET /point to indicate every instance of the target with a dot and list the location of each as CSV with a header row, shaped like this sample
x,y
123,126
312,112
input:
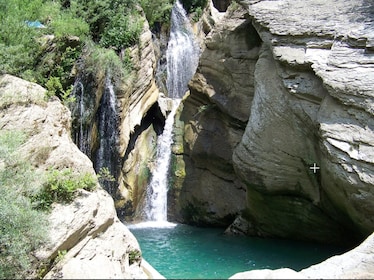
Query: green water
x,y
191,252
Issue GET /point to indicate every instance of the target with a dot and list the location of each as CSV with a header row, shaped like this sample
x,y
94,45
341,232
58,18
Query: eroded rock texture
x,y
320,110
215,114
282,86
100,119
96,243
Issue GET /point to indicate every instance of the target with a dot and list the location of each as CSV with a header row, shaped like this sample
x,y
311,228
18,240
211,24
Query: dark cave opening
x,y
221,5
153,117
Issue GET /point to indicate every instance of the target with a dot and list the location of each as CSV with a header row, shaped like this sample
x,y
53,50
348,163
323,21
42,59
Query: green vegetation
x,y
197,14
134,256
22,228
124,33
48,55
157,12
194,5
24,192
55,87
105,175
108,60
61,186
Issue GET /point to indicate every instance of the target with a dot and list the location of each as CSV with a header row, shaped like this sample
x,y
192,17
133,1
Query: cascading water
x,y
156,204
81,137
182,56
107,154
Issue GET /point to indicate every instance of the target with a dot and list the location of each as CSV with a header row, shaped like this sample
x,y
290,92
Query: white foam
x,y
152,224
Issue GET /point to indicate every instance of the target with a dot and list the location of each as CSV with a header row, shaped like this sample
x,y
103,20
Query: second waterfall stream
x,y
182,56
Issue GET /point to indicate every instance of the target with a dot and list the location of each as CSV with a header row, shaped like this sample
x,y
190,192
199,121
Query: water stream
x,y
185,252
82,135
182,56
107,118
156,199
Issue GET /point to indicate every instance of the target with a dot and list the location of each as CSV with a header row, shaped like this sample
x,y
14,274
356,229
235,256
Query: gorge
x,y
263,107
230,130
275,93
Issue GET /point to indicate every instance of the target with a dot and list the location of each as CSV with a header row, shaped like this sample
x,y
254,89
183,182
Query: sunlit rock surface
x,y
295,77
313,104
85,237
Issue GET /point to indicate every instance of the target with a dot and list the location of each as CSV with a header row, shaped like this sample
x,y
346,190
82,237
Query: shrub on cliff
x,y
123,31
157,12
24,49
61,186
22,229
23,192
114,24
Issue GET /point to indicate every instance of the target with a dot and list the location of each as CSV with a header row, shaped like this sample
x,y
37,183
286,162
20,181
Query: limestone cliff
x,y
215,114
135,94
280,87
98,245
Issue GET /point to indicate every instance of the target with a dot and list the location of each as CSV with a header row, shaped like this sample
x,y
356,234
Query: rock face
x,y
215,114
139,112
313,104
135,95
97,243
355,264
281,87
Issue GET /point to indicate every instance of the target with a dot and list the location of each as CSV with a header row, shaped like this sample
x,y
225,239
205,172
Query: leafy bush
x,y
197,14
66,24
101,61
22,229
21,47
61,186
112,23
54,88
105,175
157,11
123,31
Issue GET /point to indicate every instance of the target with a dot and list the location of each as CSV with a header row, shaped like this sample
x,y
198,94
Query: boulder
x,y
98,245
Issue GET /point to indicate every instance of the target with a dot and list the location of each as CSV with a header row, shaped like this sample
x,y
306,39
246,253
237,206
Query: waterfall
x,y
182,56
107,154
156,206
82,135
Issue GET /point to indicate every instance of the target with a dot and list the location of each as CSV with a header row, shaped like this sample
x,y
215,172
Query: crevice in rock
x,y
153,117
221,5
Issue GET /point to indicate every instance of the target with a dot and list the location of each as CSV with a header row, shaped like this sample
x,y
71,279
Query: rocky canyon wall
x,y
214,116
134,109
281,86
84,238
